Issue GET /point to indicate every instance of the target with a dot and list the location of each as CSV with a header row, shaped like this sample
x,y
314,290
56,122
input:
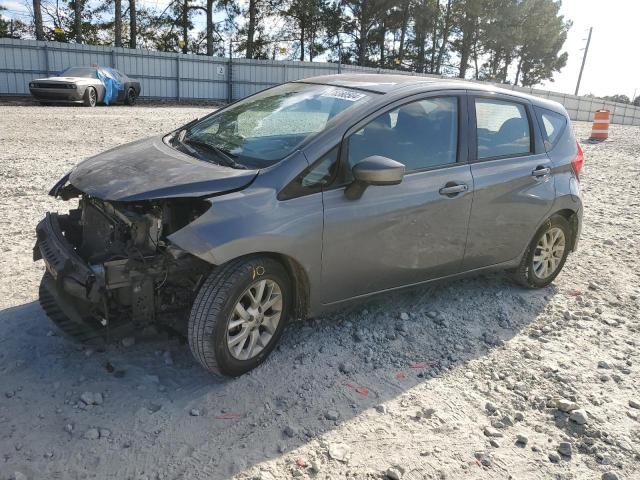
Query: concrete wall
x,y
179,77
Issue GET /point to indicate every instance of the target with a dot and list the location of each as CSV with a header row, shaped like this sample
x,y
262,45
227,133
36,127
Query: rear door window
x,y
503,128
553,125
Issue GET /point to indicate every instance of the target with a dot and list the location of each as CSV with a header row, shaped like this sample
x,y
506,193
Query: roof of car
x,y
380,83
386,83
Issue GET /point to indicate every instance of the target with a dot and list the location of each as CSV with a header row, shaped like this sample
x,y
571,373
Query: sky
x,y
612,65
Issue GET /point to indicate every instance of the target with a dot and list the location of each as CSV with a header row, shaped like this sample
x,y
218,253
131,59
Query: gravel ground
x,y
472,379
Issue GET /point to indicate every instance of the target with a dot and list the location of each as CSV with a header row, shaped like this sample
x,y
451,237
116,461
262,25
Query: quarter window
x,y
420,135
321,172
314,178
502,128
553,125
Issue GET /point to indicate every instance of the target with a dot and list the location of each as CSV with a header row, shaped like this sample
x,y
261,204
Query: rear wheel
x,y
90,98
130,99
546,255
239,315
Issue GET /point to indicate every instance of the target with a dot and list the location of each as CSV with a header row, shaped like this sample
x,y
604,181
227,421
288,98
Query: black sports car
x,y
86,85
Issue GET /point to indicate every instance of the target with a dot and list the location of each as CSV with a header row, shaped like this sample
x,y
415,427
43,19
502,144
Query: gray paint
x,y
391,237
394,235
150,169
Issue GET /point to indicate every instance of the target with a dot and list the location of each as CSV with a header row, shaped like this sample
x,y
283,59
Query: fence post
x,y
113,58
46,59
178,76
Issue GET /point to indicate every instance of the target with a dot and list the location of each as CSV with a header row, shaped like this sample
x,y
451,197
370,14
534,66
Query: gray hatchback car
x,y
306,196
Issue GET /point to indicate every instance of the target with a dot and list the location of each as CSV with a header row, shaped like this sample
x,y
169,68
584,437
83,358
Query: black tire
x,y
213,306
525,274
90,97
130,99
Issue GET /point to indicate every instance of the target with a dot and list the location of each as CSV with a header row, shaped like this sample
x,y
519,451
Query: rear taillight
x,y
578,161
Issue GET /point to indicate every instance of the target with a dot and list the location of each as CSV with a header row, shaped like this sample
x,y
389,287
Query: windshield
x,y
85,72
266,127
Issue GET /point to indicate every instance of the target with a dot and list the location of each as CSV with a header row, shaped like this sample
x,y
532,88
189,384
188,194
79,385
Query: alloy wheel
x,y
549,252
254,319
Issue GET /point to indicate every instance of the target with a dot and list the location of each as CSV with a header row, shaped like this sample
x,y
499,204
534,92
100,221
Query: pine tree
x,y
543,33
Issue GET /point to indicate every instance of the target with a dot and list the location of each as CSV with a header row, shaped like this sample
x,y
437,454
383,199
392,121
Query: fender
x,y
254,221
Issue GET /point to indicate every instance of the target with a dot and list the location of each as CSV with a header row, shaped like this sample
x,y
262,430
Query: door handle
x,y
454,189
541,172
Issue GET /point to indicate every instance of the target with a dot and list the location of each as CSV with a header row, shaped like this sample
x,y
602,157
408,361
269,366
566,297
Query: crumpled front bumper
x,y
70,292
68,270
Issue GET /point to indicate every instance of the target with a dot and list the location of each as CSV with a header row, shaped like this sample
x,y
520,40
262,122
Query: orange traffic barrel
x,y
600,128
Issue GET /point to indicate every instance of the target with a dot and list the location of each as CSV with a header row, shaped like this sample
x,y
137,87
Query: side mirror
x,y
374,170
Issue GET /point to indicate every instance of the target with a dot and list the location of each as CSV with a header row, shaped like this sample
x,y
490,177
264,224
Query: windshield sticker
x,y
343,94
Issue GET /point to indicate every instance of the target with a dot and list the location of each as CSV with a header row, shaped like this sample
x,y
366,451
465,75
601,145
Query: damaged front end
x,y
110,265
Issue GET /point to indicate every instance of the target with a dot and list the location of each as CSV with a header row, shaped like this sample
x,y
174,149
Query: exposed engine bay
x,y
115,258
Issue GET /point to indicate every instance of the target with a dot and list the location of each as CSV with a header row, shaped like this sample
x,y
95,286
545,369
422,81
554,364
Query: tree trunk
x,y
505,68
381,44
421,52
77,19
312,41
434,38
133,24
362,42
37,19
468,34
302,40
185,26
209,13
118,23
464,57
251,28
445,36
518,71
475,53
403,30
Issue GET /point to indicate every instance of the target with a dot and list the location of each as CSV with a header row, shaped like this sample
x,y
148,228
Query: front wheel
x,y
239,315
546,255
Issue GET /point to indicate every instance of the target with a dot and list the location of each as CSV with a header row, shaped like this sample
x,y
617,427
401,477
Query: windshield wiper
x,y
226,156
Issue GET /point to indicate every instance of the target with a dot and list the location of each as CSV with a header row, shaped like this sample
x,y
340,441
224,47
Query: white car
x,y
86,85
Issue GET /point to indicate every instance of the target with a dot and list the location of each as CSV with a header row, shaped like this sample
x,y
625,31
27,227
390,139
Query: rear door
x,y
513,179
407,233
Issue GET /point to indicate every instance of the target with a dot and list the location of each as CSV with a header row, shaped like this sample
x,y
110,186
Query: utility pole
x,y
584,58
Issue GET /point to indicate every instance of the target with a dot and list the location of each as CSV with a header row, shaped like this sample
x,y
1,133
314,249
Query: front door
x,y
407,233
513,179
